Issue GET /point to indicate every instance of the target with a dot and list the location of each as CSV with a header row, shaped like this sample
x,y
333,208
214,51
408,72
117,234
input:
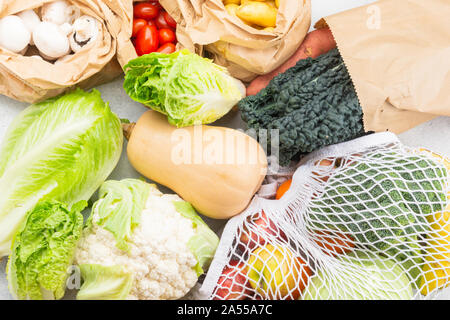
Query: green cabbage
x,y
187,88
104,283
361,276
43,250
61,149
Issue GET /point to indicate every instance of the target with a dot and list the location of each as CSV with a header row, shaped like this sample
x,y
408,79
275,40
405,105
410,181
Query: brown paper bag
x,y
244,50
30,79
398,55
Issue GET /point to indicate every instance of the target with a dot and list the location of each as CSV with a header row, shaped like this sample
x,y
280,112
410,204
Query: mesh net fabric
x,y
365,219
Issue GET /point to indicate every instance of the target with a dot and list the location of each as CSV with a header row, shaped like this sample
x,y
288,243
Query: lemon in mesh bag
x,y
436,270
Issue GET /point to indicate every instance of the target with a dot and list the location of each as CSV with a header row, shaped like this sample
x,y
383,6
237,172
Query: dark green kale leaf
x,y
313,104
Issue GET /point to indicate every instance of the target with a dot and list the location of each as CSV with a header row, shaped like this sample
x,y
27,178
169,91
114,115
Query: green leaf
x,y
43,250
120,206
104,283
204,243
61,149
187,88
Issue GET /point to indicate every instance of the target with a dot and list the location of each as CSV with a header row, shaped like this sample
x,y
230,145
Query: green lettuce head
x,y
187,88
61,149
43,251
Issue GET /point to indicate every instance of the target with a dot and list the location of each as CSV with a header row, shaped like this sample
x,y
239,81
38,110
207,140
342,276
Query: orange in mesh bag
x,y
363,219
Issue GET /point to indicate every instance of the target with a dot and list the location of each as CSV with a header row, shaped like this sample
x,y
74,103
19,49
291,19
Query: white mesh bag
x,y
365,219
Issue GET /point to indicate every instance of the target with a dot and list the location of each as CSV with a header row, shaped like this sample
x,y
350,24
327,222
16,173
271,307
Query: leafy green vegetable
x,y
43,250
312,104
362,276
187,88
61,149
383,203
104,283
204,243
120,206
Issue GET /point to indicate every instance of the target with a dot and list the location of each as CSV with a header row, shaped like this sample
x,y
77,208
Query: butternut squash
x,y
216,169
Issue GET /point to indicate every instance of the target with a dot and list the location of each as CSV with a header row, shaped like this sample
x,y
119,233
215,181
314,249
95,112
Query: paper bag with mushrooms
x,y
48,47
250,38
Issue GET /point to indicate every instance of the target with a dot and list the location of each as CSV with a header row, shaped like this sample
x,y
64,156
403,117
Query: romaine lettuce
x,y
60,149
43,250
187,88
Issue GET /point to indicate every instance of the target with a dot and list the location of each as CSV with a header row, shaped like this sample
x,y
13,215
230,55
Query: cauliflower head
x,y
142,244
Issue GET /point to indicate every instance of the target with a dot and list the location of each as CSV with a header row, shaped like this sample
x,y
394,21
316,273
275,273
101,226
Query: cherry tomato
x,y
283,188
145,10
147,40
156,3
138,24
170,21
167,48
161,22
151,23
166,35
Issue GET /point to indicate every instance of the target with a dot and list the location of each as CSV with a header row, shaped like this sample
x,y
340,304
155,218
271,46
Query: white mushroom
x,y
85,32
66,28
58,12
14,35
51,41
31,20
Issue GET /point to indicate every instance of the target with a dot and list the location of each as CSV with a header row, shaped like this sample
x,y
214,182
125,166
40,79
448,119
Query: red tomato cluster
x,y
153,29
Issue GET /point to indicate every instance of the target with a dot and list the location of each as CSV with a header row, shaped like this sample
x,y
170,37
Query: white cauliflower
x,y
159,258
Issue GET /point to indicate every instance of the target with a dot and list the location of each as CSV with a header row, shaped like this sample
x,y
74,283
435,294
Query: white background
x,y
434,134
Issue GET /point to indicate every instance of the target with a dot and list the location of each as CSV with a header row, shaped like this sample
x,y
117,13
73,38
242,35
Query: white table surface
x,y
434,134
